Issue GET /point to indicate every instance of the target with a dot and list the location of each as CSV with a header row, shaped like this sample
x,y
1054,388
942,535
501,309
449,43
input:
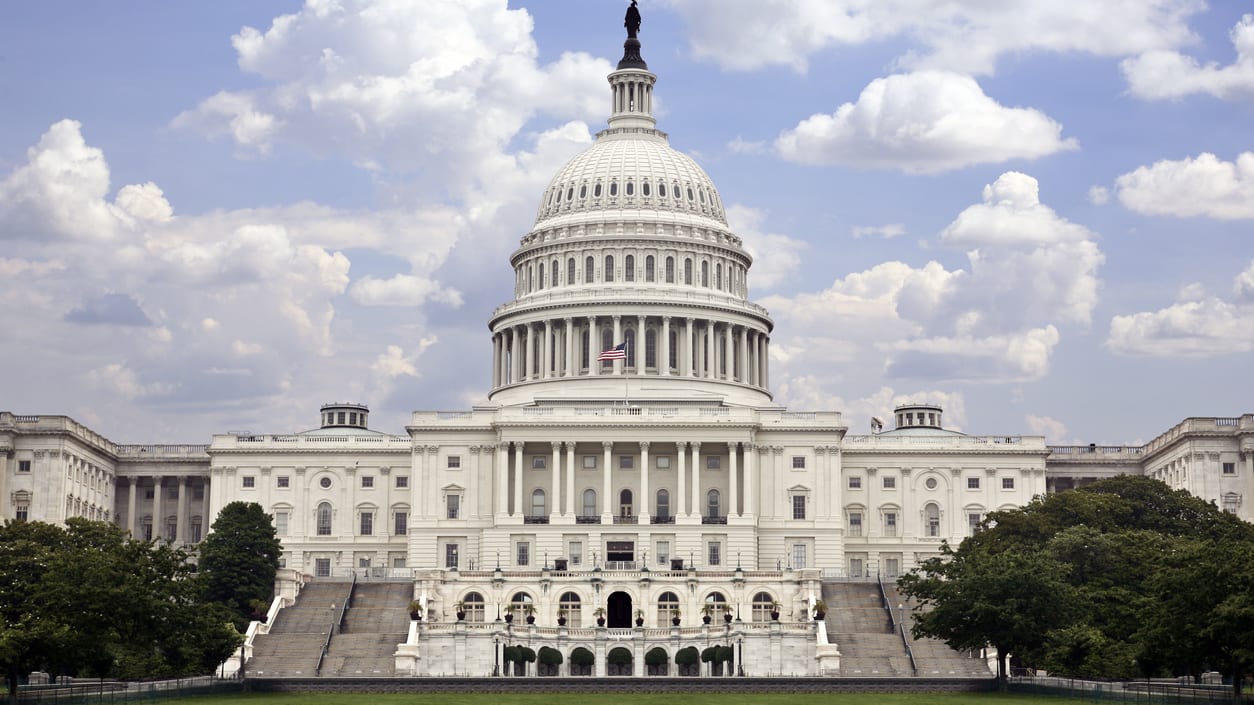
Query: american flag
x,y
618,352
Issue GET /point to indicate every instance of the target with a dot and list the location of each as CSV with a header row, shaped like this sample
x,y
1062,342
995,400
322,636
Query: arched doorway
x,y
618,610
618,662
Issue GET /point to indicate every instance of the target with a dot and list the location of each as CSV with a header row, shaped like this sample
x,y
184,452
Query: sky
x,y
219,216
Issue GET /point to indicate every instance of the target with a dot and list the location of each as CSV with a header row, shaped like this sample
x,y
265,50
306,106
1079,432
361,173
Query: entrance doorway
x,y
618,611
620,555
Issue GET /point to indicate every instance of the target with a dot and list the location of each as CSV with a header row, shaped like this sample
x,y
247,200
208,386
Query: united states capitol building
x,y
645,492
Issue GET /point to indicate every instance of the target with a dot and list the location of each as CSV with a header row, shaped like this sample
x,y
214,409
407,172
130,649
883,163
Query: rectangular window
x,y
400,524
280,523
973,523
855,483
892,567
855,523
798,506
890,483
589,462
322,567
249,481
398,562
713,463
196,532
199,492
1230,468
798,556
663,552
855,567
402,482
367,481
283,481
454,503
973,483
454,462
149,493
523,553
715,553
1007,483
575,551
22,512
798,462
23,466
450,555
890,523
625,462
537,462
663,462
363,563
367,523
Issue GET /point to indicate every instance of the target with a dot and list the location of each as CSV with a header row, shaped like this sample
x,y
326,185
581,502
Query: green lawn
x,y
617,699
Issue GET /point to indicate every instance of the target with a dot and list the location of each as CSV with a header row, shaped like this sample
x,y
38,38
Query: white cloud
x,y
1099,195
1194,186
996,358
402,290
242,348
968,37
922,122
393,363
117,378
1195,327
1052,429
1163,74
1191,292
887,232
776,257
1011,214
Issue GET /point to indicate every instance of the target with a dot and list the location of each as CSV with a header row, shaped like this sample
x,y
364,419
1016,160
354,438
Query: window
x,y
930,483
324,519
663,504
589,503
629,337
322,567
715,553
609,268
149,493
1230,468
798,506
537,462
453,503
670,270
589,268
454,462
280,523
855,523
537,503
21,511
324,483
713,463
1231,502
855,567
249,481
1007,483
650,348
705,274
23,466
195,533
667,606
540,279
712,504
763,605
890,483
553,274
624,503
798,462
890,523
625,462
663,462
367,481
522,553
663,552
570,271
367,523
855,483
363,563
931,516
799,556
688,271
450,555
398,561
400,523
892,567
973,523
402,482
589,462
574,552
283,481
629,268
570,605
472,605
973,483
648,268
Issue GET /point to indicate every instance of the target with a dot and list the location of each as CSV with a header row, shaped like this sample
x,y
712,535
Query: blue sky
x,y
219,216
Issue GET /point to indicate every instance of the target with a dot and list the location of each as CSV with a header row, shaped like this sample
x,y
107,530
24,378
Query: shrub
x,y
687,656
582,657
550,656
655,657
618,657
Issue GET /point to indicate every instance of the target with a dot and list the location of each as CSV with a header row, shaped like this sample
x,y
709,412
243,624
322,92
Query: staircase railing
x,y
337,624
899,625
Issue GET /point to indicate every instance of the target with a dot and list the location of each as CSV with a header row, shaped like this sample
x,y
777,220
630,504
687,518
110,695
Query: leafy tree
x,y
550,656
239,559
687,656
582,657
655,656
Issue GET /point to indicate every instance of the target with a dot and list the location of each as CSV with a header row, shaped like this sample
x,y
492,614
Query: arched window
x,y
667,606
629,337
570,606
644,188
663,509
648,268
519,602
715,604
613,188
688,270
631,188
589,503
607,342
673,352
537,503
718,276
583,351
530,272
596,191
670,270
540,279
472,605
589,270
661,189
624,504
763,604
705,274
609,268
324,519
553,274
931,518
650,348
629,268
712,504
570,271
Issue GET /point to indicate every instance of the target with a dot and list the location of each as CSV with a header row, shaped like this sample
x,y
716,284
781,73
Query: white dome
x,y
634,170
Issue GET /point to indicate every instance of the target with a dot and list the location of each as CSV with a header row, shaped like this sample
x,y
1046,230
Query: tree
x,y
239,559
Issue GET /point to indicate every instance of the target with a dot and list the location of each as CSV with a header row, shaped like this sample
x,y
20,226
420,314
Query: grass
x,y
617,699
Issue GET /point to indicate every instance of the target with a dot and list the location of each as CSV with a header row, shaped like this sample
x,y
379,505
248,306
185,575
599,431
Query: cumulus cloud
x,y
886,232
1011,214
1052,429
110,309
1163,74
1099,195
117,378
776,257
1198,327
922,122
402,290
967,37
1195,186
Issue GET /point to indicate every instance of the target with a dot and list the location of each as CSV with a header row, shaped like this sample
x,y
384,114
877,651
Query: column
x,y
681,485
606,487
530,353
708,360
733,499
618,336
157,510
502,478
729,348
645,495
762,360
180,533
546,364
664,345
385,524
555,500
751,487
570,478
518,473
206,519
696,478
687,371
496,360
742,366
593,365
572,368
766,364
641,365
132,524
751,357
515,366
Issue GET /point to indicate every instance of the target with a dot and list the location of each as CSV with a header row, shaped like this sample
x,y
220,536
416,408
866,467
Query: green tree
x,y
239,559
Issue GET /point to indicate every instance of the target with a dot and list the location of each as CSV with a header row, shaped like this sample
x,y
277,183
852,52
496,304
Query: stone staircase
x,y
292,647
933,657
377,620
858,623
